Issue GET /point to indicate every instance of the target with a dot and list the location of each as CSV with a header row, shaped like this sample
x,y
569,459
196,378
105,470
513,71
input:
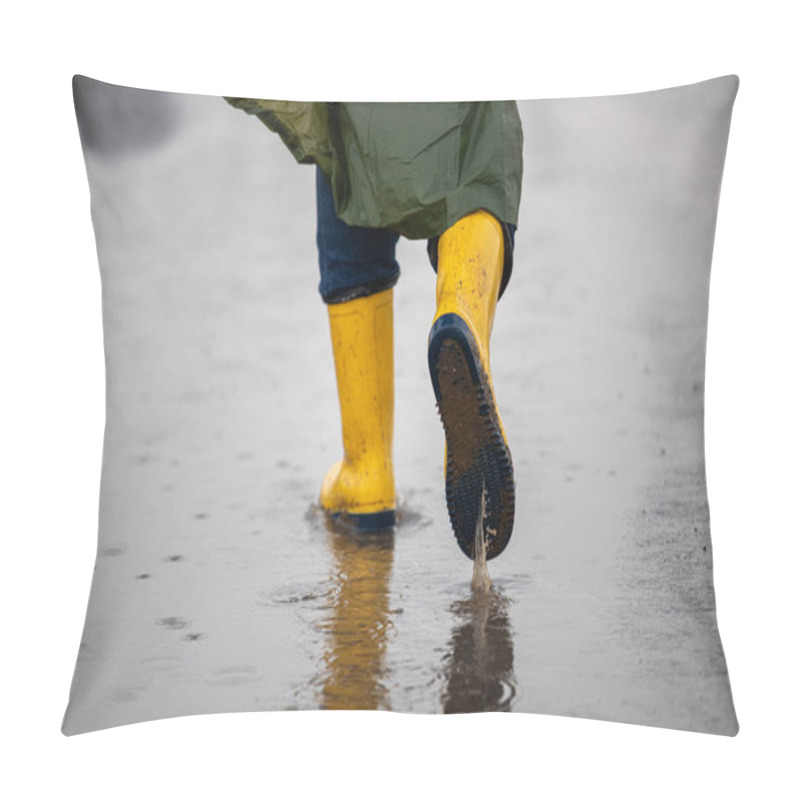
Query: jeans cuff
x,y
363,290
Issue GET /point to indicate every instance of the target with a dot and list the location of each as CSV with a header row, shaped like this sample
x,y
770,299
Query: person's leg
x,y
470,256
357,272
353,261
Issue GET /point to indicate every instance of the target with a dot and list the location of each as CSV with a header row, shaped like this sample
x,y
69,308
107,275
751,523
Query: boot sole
x,y
477,453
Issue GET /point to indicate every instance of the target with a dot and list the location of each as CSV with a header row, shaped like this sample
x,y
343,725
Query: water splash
x,y
481,582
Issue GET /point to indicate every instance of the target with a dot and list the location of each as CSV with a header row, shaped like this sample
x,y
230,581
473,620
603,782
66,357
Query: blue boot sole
x,y
364,523
477,453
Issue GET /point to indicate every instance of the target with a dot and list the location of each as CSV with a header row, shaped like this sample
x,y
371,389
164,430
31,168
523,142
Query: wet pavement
x,y
219,586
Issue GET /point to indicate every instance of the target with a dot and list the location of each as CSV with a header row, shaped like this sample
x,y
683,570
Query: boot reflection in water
x,y
480,662
358,622
358,270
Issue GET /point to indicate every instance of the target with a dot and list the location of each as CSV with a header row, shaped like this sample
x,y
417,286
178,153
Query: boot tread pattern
x,y
476,449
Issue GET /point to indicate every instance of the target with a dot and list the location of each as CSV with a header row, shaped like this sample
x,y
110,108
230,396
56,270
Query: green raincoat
x,y
415,168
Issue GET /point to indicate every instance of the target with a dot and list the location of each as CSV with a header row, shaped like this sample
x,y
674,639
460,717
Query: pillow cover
x,y
219,583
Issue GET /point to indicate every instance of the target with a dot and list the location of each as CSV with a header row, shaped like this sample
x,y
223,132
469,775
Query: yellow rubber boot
x,y
477,458
359,490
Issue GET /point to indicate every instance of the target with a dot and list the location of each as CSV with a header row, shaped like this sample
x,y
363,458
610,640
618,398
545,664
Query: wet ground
x,y
219,586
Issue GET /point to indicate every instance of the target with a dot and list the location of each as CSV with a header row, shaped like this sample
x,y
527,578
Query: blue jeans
x,y
353,261
357,262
